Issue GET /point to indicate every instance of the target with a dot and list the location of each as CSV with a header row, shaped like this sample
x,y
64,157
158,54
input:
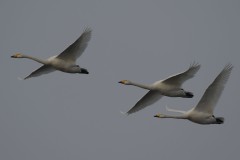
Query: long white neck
x,y
183,116
148,87
36,59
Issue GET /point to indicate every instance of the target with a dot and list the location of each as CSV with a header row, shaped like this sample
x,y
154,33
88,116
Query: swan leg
x,y
189,94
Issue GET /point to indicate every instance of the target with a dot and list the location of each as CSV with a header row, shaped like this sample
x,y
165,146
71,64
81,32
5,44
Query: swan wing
x,y
40,71
76,49
178,79
214,91
150,98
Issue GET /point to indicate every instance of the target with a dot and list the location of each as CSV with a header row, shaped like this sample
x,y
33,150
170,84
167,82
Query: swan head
x,y
126,82
17,55
159,115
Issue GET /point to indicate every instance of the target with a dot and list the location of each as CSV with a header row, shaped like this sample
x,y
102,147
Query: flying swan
x,y
203,112
65,62
170,87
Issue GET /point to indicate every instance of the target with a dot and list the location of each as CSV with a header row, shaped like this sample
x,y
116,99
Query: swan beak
x,y
157,116
121,82
17,55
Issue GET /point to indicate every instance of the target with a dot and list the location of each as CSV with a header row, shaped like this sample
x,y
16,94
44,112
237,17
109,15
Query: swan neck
x,y
142,86
183,116
35,59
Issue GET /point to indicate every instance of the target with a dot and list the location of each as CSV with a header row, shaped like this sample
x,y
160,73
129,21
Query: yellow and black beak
x,y
122,82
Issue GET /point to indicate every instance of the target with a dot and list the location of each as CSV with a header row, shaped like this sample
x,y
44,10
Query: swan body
x,y
196,117
170,87
203,112
65,61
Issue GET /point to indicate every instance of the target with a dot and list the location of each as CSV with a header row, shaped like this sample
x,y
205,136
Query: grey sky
x,y
63,116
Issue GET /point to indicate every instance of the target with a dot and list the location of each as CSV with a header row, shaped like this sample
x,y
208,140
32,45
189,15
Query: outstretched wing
x,y
147,100
178,79
76,49
214,91
40,71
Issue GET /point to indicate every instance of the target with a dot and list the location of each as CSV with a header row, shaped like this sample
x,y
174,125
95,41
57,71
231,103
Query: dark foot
x,y
84,71
220,120
189,94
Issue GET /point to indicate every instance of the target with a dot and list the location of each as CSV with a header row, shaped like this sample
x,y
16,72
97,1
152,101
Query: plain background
x,y
63,116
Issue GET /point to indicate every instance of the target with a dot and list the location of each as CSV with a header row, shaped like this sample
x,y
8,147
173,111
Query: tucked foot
x,y
220,120
84,71
189,94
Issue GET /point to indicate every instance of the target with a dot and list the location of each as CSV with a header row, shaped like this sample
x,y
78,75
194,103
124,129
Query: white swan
x,y
66,61
203,112
170,87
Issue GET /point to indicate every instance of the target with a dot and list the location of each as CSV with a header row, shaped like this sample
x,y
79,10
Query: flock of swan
x,y
202,113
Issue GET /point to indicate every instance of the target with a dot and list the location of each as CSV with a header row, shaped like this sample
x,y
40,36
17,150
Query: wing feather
x,y
178,79
45,69
76,49
147,100
214,91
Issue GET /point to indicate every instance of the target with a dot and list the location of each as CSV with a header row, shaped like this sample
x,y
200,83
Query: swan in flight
x,y
65,61
170,87
203,112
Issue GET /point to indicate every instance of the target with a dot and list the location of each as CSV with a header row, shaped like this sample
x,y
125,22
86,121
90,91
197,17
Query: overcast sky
x,y
63,116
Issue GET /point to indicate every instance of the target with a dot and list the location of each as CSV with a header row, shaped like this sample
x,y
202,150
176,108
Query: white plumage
x,y
170,87
65,61
203,112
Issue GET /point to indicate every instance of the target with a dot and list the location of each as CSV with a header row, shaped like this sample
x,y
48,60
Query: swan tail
x,y
174,110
